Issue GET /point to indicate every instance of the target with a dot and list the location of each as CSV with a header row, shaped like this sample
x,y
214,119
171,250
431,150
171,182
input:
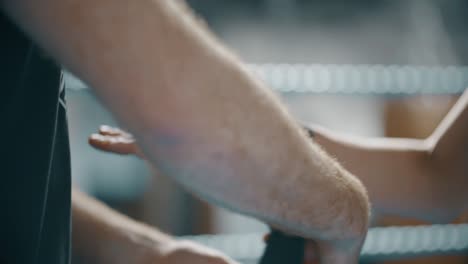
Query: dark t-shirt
x,y
35,183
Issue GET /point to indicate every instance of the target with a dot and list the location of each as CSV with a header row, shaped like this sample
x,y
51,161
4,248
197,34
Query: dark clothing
x,y
35,182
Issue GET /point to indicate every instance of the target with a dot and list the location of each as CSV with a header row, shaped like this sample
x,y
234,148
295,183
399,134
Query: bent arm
x,y
395,172
425,179
197,113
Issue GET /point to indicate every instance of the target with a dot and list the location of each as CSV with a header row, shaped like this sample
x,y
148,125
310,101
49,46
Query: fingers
x,y
114,140
114,144
113,131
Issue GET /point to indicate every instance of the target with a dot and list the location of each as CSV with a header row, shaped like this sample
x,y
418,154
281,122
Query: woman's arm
x,y
425,179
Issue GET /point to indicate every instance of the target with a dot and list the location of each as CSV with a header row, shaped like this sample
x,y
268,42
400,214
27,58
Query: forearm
x,y
198,115
449,152
399,174
449,140
100,233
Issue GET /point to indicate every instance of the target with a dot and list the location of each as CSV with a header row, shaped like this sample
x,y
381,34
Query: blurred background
x,y
373,39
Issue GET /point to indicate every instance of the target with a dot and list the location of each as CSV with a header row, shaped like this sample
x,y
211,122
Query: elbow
x,y
354,210
359,209
353,221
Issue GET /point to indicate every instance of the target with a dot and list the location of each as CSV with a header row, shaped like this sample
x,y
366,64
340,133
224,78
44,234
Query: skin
x,y
424,179
201,117
119,239
114,140
402,175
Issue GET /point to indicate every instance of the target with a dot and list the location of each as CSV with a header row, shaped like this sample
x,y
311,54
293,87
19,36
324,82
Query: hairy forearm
x,y
399,174
100,233
198,115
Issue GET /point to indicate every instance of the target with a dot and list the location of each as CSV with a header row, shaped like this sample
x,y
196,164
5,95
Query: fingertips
x,y
111,139
116,144
98,141
108,130
95,139
113,131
